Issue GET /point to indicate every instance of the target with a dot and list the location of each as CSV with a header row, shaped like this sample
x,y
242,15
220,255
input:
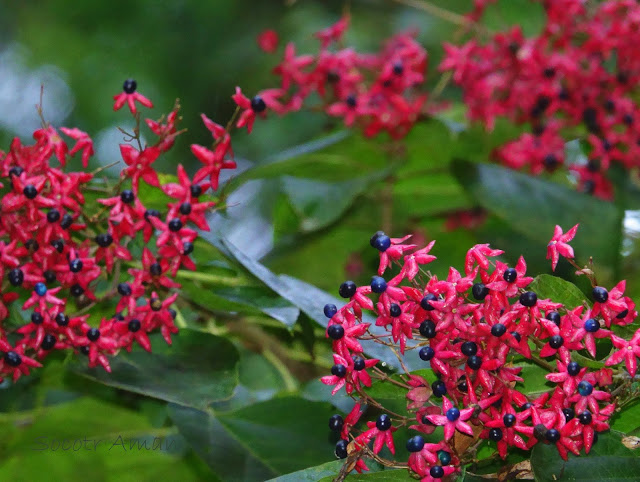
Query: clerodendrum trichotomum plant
x,y
73,244
476,330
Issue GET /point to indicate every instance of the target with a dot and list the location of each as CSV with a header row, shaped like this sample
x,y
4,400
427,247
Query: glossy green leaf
x,y
533,206
239,445
197,369
558,290
260,298
627,420
312,474
608,460
383,475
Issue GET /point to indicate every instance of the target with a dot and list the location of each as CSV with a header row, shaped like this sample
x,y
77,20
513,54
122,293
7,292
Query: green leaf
x,y
273,306
608,460
533,206
383,475
628,419
199,368
558,290
312,474
259,441
319,203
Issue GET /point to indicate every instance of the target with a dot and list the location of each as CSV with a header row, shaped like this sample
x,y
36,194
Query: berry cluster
x,y
473,329
576,79
68,241
373,91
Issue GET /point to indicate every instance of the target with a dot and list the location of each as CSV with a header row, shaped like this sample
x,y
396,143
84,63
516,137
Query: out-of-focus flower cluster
x,y
576,79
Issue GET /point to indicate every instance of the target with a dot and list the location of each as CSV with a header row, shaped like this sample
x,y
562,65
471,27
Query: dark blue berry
x,y
75,266
32,245
257,104
53,216
151,213
155,269
37,318
49,276
398,68
622,314
510,275
134,325
556,341
124,289
62,319
187,248
12,359
127,196
104,240
516,335
76,290
358,363
453,414
129,86
498,329
469,348
395,310
382,243
335,332
526,406
415,444
339,370
426,353
585,388
554,317
585,417
335,423
347,289
552,435
569,413
341,449
600,294
58,245
175,225
439,388
93,334
330,310
424,302
474,362
428,329
479,291
437,472
463,386
528,299
196,190
30,191
16,276
591,325
48,342
509,420
351,101
378,284
375,236
384,422
444,456
573,368
185,209
67,221
40,289
15,171
495,434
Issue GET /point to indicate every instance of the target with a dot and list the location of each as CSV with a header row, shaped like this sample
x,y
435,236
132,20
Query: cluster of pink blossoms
x,y
576,79
55,248
374,91
472,328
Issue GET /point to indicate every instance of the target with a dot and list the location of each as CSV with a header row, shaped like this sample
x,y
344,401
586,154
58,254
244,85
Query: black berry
x,y
347,289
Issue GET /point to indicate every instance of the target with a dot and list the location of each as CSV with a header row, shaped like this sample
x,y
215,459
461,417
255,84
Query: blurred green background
x,y
315,228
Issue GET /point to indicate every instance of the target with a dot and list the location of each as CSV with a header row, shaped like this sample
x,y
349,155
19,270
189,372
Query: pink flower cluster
x,y
374,91
576,79
474,328
61,235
